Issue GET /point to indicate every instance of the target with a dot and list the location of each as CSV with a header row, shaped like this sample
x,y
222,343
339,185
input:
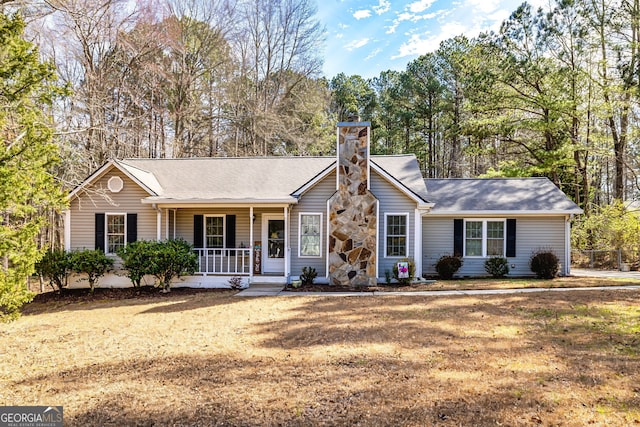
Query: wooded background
x,y
552,93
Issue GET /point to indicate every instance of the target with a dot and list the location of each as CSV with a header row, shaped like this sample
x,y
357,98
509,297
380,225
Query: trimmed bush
x,y
497,266
169,259
411,271
544,264
447,266
135,259
93,263
55,266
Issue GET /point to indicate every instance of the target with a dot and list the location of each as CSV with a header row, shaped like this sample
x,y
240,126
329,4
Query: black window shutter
x,y
230,231
198,231
100,223
511,238
132,227
458,236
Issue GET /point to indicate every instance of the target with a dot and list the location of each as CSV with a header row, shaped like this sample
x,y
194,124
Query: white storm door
x,y
273,251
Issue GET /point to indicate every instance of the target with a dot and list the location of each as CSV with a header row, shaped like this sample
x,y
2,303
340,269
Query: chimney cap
x,y
352,124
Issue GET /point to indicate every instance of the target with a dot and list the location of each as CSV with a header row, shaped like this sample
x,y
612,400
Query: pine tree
x,y
28,191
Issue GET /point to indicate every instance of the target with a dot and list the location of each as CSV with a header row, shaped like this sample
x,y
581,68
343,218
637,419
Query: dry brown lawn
x,y
561,359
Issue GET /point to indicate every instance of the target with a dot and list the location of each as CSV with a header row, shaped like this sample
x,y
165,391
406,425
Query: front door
x,y
273,251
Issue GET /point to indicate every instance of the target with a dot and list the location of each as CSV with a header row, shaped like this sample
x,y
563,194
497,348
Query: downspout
x,y
158,222
417,244
567,244
251,244
287,248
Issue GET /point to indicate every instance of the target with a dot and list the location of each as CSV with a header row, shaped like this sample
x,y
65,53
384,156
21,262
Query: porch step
x,y
261,290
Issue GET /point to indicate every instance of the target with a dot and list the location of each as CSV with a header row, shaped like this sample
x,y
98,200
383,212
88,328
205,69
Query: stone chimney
x,y
353,211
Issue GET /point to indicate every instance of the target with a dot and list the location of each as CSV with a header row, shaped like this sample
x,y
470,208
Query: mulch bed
x,y
99,294
379,288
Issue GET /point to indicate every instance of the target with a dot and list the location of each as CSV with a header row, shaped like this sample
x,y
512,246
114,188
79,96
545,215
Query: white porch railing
x,y
235,261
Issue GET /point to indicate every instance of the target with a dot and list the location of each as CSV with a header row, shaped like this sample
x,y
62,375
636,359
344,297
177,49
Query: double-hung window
x,y
214,231
396,230
116,232
309,238
484,238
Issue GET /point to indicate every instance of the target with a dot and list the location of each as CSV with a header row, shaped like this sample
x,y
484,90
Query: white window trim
x,y
300,235
407,235
224,230
484,236
106,230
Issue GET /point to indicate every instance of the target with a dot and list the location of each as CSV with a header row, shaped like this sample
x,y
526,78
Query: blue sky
x,y
370,36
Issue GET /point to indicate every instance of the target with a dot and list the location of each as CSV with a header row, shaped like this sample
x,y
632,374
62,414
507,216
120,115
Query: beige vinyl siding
x,y
391,200
532,233
98,199
313,201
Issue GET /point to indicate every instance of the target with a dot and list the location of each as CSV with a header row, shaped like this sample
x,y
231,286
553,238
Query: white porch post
x,y
417,242
158,224
251,244
166,223
567,245
67,230
287,249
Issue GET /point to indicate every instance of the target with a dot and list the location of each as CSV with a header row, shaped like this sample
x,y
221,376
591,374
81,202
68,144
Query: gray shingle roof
x,y
495,195
255,179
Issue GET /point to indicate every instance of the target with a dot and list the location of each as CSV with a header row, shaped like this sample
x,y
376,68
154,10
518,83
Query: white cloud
x,y
361,14
382,7
419,44
356,44
373,54
482,6
420,5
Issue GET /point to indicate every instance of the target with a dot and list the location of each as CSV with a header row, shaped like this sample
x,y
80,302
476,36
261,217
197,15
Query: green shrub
x,y
411,271
135,259
497,266
169,259
93,263
308,275
544,264
447,266
55,266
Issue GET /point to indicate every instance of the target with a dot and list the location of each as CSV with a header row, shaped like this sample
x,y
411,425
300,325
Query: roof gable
x,y
144,179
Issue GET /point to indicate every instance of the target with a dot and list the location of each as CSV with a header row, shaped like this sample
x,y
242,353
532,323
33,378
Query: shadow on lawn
x,y
81,299
220,390
516,360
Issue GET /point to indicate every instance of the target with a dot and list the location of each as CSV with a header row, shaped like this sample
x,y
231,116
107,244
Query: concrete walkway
x,y
258,290
610,274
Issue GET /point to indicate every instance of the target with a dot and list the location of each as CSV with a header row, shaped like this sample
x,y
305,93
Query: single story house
x,y
352,217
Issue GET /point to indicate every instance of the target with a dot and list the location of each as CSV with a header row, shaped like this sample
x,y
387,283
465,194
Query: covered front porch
x,y
231,240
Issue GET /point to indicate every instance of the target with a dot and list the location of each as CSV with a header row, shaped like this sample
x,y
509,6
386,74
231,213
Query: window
x,y
116,232
310,234
396,235
214,232
484,238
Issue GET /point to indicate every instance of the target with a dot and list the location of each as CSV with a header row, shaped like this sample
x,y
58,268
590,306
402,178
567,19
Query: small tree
x,y
135,259
170,259
93,263
55,266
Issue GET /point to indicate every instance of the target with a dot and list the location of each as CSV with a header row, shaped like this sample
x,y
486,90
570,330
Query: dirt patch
x,y
210,358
